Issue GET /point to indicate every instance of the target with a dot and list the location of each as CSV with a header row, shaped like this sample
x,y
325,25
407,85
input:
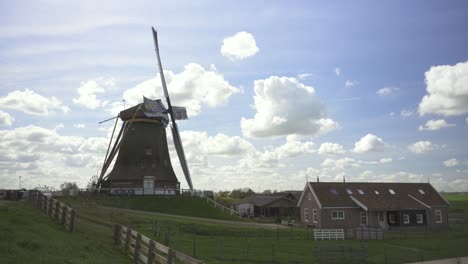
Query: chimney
x,y
318,179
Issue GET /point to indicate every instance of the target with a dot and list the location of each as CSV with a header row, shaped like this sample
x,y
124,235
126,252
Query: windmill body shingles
x,y
144,152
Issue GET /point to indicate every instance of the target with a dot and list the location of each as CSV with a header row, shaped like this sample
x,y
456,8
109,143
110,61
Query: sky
x,y
277,92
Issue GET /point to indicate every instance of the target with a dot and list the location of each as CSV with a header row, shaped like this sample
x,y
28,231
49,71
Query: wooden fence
x,y
341,253
144,250
328,234
61,213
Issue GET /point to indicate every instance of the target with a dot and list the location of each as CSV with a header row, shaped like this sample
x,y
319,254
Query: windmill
x,y
143,161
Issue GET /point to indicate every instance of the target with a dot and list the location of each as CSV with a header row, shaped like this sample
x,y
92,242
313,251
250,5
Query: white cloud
x,y
369,143
240,46
328,148
293,148
447,90
406,113
88,90
343,163
386,91
79,125
48,157
386,160
435,125
349,83
303,76
29,102
451,163
193,88
285,106
466,120
6,119
421,147
337,71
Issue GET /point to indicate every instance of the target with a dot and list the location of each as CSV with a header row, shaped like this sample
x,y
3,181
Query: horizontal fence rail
x,y
58,211
329,234
145,250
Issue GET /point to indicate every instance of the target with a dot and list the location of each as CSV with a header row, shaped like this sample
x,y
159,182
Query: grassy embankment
x,y
231,243
28,235
179,205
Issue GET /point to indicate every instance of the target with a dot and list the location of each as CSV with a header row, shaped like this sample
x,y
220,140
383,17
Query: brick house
x,y
386,205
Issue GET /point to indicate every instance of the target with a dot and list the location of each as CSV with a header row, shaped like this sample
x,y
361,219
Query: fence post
x,y
117,234
50,206
72,219
272,252
170,256
64,212
150,251
57,203
194,246
127,239
136,252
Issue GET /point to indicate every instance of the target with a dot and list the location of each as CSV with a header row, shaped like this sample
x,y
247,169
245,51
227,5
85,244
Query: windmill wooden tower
x,y
143,164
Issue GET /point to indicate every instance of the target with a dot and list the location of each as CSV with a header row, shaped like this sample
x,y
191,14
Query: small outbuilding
x,y
328,205
276,205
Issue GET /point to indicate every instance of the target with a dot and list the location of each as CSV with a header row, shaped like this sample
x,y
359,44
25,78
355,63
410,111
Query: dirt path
x,y
246,224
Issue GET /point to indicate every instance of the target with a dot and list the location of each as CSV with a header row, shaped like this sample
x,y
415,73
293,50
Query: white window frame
x,y
438,213
376,192
365,217
314,216
360,191
306,214
419,218
381,217
406,219
337,216
349,191
391,218
391,191
421,191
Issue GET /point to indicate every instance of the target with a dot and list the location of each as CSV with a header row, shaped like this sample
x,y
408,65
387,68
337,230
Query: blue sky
x,y
276,91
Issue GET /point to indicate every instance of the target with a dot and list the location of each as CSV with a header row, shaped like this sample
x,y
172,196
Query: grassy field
x,y
230,243
180,205
28,235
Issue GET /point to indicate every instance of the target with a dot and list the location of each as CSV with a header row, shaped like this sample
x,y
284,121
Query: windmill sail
x,y
175,131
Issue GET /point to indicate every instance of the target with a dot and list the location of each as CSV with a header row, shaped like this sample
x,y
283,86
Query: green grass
x,y
233,243
28,235
180,205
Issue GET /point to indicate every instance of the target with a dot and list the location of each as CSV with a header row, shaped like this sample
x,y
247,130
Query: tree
x,y
67,187
241,193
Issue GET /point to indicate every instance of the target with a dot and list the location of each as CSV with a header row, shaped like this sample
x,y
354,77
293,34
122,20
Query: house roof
x,y
377,195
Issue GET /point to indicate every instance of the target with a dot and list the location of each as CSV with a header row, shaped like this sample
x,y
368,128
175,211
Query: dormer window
x,y
349,191
360,191
421,191
391,191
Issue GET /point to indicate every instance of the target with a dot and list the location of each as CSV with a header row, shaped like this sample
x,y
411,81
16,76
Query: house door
x,y
381,216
